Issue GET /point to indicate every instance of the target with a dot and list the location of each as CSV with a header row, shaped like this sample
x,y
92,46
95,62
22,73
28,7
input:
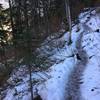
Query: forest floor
x,y
75,72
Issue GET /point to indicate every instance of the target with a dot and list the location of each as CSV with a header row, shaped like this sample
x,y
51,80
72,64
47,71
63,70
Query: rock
x,y
38,98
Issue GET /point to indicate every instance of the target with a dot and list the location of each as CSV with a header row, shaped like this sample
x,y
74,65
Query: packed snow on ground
x,y
90,89
52,84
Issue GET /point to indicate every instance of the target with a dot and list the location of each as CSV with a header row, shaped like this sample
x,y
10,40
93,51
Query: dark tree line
x,y
32,21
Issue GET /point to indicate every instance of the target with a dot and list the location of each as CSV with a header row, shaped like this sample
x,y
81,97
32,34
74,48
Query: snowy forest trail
x,y
84,80
74,75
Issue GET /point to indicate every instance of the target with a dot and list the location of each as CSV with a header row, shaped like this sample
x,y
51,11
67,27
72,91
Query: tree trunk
x,y
68,15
